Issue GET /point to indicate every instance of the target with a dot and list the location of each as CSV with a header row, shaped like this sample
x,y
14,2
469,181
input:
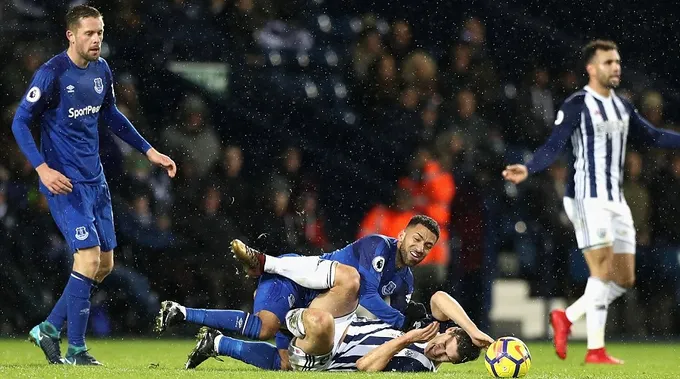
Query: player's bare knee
x,y
628,282
318,323
348,278
105,265
87,262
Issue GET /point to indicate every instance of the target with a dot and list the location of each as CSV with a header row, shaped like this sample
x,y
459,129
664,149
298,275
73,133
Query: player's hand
x,y
162,160
54,180
516,173
480,338
423,334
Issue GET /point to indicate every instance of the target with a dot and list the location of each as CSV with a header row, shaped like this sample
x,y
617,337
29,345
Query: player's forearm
x,y
378,358
444,308
24,138
376,305
123,128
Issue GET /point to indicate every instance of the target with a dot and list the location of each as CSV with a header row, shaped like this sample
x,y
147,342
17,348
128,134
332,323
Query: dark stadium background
x,y
354,146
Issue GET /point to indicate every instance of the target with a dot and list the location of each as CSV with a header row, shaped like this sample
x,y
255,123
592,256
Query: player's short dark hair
x,y
78,12
467,351
589,50
425,221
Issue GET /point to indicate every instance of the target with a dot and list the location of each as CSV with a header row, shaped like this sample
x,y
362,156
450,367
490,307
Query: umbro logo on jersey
x,y
70,88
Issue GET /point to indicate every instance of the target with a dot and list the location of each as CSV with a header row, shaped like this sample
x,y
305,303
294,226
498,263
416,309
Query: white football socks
x,y
309,272
596,311
578,308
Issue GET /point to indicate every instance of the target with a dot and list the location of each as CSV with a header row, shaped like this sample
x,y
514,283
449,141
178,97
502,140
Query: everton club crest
x,y
98,85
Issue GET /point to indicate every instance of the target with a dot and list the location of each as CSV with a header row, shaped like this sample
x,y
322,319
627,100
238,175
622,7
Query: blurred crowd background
x,y
300,125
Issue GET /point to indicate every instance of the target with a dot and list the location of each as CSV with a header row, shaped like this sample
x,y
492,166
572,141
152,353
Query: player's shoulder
x,y
576,99
626,103
55,66
103,63
377,239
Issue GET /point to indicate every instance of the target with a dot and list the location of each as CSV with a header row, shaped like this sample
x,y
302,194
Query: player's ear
x,y
70,36
401,235
590,68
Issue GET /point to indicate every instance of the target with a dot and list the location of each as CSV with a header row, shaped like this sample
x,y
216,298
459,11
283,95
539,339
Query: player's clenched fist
x,y
515,173
54,180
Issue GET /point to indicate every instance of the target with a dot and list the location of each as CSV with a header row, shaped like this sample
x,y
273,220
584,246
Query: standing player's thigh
x,y
624,229
74,217
103,218
592,221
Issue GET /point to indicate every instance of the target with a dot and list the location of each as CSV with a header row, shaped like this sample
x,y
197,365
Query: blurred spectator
x,y
538,109
637,197
401,40
230,181
312,221
194,136
367,51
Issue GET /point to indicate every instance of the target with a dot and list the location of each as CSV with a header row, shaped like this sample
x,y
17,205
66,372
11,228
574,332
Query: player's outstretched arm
x,y
378,358
567,120
445,308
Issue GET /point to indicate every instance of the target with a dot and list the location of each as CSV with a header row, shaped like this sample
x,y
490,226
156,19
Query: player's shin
x,y
259,354
596,312
78,308
244,323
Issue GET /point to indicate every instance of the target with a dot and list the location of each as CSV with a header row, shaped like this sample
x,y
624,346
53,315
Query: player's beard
x,y
90,56
610,82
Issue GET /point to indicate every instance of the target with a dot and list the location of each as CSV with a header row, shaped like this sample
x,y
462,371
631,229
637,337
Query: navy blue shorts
x,y
85,216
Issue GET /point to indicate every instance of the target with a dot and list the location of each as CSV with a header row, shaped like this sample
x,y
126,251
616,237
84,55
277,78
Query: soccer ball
x,y
508,357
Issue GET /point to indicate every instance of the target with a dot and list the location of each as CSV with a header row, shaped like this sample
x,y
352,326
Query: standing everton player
x,y
66,97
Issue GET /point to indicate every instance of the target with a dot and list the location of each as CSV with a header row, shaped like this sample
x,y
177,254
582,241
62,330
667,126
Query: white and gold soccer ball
x,y
508,357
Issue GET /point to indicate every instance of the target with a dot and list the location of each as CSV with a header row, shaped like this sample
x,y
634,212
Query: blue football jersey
x,y
66,101
375,258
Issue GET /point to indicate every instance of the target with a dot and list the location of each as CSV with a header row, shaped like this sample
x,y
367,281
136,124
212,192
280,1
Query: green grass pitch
x,y
165,358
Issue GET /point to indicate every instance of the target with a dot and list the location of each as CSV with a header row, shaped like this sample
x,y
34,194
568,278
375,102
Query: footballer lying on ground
x,y
351,343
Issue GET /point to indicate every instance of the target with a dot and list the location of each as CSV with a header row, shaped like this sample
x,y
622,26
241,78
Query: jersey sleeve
x,y
117,122
567,120
38,97
643,132
373,252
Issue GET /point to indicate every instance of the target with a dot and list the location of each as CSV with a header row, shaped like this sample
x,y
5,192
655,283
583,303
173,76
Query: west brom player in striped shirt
x,y
361,344
595,123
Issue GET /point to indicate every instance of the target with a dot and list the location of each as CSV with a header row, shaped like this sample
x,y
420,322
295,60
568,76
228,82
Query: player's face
x,y
415,243
87,38
443,348
606,67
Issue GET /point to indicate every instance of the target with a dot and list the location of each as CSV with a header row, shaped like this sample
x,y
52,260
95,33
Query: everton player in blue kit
x,y
66,97
375,266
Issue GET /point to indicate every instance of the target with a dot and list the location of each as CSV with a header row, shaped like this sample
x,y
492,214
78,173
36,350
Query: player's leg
x,y
274,297
623,264
74,216
343,297
308,272
312,347
212,343
593,227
